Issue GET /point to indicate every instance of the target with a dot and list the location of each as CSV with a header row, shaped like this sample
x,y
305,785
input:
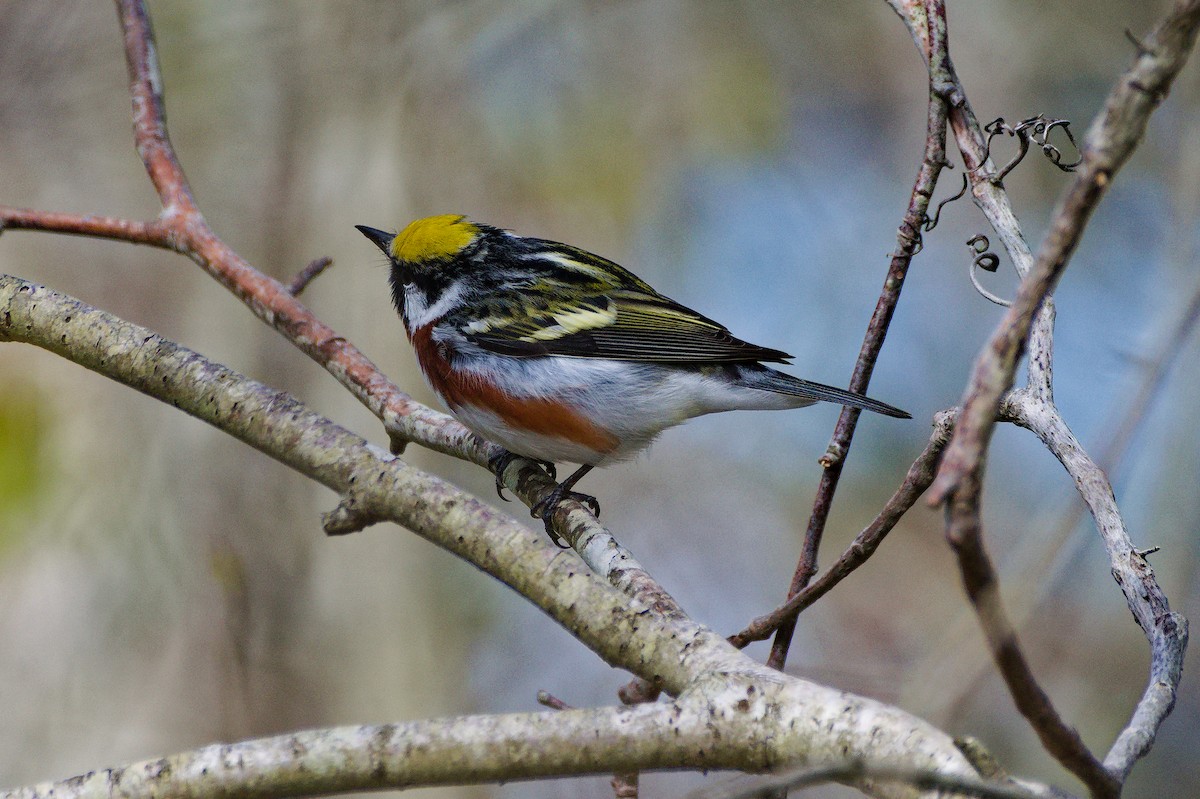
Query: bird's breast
x,y
483,387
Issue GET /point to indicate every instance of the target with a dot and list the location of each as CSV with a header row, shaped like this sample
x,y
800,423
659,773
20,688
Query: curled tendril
x,y
1037,130
929,224
1034,130
987,261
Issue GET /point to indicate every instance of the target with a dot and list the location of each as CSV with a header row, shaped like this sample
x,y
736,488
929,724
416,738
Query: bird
x,y
562,356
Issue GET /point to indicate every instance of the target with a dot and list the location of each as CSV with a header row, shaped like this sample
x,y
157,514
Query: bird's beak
x,y
382,240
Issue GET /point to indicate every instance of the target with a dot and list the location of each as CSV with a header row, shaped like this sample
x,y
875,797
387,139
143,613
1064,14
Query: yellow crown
x,y
433,238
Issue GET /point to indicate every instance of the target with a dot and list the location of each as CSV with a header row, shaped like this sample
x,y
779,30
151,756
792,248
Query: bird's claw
x,y
500,462
497,464
544,510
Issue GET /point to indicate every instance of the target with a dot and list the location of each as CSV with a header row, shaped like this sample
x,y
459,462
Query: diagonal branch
x,y
908,243
731,710
381,486
983,589
919,476
182,228
1112,138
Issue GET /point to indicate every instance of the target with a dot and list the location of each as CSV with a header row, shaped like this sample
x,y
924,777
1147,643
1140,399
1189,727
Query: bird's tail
x,y
771,380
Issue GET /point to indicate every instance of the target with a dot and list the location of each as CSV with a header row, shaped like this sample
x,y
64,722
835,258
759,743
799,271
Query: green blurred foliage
x,y
23,473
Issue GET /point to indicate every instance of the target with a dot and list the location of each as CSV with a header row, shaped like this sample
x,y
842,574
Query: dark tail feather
x,y
773,380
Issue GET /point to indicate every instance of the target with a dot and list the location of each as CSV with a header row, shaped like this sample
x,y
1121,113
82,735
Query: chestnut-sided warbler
x,y
561,355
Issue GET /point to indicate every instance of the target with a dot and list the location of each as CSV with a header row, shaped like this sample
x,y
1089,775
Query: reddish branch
x,y
181,227
308,274
101,227
919,476
982,587
909,239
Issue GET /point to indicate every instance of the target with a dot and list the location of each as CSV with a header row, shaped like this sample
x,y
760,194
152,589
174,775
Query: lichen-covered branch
x,y
383,486
761,719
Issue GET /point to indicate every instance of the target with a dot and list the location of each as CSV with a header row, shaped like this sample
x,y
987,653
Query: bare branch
x,y
983,589
547,699
182,227
1166,630
1111,140
919,476
908,243
459,751
753,717
150,113
308,274
155,233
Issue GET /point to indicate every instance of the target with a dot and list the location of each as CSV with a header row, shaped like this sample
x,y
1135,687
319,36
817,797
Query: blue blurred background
x,y
162,586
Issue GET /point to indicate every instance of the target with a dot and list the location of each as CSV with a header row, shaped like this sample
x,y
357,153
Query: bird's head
x,y
426,242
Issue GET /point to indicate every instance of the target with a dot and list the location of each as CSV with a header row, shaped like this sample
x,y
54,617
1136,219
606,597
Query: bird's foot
x,y
544,510
499,463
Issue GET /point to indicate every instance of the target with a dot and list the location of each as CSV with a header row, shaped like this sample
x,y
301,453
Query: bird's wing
x,y
592,308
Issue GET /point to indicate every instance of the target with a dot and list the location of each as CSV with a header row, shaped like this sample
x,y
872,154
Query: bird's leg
x,y
544,509
498,463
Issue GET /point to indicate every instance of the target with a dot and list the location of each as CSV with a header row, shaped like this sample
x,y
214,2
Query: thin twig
x,y
153,233
919,476
551,701
908,242
308,274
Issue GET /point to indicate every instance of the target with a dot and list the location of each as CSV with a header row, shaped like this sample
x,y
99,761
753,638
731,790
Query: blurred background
x,y
163,586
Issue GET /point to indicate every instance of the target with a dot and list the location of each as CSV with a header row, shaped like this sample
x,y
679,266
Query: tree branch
x,y
762,718
181,227
1111,140
383,486
457,751
1166,630
919,476
908,238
